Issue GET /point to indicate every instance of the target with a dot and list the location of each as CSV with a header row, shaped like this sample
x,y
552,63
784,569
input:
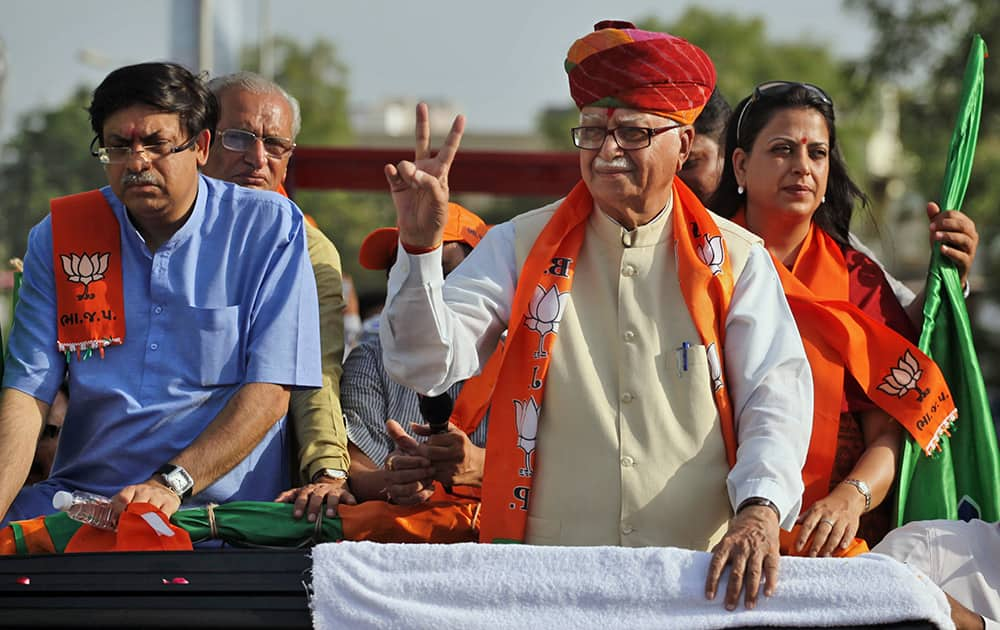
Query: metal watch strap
x,y
761,501
863,488
332,473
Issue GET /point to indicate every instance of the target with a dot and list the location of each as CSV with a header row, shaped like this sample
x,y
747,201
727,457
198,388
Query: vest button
x,y
629,335
627,529
628,270
627,397
628,462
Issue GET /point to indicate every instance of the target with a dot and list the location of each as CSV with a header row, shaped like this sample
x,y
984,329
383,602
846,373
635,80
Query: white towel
x,y
370,585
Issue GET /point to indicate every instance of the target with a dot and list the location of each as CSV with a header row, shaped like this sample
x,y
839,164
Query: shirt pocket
x,y
212,347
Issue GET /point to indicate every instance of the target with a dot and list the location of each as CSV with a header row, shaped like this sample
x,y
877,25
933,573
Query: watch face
x,y
179,481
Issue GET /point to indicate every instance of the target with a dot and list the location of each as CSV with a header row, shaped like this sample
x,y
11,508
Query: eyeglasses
x,y
242,141
152,152
628,138
775,89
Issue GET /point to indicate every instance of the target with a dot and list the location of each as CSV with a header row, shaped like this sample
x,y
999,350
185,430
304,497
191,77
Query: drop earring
x,y
823,200
739,190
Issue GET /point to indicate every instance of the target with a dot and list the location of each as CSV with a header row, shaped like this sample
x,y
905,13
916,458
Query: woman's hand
x,y
831,522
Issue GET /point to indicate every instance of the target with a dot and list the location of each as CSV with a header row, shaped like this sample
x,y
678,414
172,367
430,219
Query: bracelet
x,y
416,251
762,502
863,488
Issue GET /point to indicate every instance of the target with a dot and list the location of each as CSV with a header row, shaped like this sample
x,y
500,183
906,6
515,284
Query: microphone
x,y
436,410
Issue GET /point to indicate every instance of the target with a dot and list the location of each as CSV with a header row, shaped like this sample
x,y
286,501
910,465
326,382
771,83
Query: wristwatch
x,y
863,488
761,501
177,479
332,473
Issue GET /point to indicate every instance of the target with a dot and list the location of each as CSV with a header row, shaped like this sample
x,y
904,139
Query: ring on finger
x,y
827,521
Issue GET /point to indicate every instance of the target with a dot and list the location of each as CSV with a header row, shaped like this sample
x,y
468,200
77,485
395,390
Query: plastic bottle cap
x,y
62,500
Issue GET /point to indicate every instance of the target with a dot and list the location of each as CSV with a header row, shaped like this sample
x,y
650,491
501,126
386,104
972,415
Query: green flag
x,y
963,479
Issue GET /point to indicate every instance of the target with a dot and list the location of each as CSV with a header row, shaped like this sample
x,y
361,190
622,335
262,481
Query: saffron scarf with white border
x,y
706,282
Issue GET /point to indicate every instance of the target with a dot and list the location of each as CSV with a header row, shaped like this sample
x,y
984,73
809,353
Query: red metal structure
x,y
547,173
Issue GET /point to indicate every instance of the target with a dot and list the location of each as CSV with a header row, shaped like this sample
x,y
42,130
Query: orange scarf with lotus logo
x,y
86,249
540,299
837,335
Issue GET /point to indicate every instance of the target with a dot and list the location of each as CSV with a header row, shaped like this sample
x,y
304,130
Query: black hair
x,y
711,121
168,87
834,214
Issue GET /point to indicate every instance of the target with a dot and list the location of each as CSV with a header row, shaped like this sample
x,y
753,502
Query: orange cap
x,y
378,250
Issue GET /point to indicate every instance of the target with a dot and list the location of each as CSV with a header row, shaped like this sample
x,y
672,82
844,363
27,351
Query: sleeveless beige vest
x,y
630,451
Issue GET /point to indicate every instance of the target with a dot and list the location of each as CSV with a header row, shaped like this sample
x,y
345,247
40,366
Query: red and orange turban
x,y
619,65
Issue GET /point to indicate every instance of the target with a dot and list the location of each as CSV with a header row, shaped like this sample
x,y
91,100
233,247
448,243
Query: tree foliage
x,y
46,157
923,45
744,55
315,76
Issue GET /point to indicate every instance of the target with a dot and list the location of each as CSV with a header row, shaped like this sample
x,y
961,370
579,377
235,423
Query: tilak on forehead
x,y
619,65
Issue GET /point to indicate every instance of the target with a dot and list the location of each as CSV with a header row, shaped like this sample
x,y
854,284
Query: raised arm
x,y
420,188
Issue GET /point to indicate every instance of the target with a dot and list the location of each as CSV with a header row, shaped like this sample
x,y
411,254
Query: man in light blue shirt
x,y
221,320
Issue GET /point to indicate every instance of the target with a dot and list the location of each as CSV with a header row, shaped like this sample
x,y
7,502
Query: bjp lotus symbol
x,y
903,378
544,312
712,253
526,416
85,269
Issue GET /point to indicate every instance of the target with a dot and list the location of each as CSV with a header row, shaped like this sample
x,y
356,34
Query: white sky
x,y
501,62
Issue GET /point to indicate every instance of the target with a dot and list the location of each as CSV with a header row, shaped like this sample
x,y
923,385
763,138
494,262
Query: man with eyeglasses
x,y
180,308
654,389
255,137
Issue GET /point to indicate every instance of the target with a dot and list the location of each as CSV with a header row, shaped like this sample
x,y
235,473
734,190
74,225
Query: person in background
x,y
619,417
383,417
255,137
786,181
703,166
181,311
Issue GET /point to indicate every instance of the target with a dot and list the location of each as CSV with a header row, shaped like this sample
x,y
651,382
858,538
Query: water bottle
x,y
86,507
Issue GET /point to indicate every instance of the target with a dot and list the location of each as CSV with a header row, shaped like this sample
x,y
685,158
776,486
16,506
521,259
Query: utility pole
x,y
206,37
266,41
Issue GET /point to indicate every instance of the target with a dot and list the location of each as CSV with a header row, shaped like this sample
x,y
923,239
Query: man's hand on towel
x,y
409,475
750,550
456,460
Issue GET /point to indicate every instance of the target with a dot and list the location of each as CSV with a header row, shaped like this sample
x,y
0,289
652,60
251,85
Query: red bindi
x,y
805,140
611,112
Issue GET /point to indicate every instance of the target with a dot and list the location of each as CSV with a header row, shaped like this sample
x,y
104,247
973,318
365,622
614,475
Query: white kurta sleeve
x,y
771,388
436,332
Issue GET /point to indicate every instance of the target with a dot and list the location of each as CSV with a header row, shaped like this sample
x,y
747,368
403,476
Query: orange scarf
x,y
86,249
838,336
706,281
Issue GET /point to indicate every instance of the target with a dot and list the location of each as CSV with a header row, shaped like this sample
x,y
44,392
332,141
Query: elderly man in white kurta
x,y
654,389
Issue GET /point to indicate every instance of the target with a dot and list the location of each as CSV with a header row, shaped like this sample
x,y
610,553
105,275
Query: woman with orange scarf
x,y
786,181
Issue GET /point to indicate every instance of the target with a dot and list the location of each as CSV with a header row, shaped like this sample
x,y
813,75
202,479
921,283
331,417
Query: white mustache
x,y
620,162
142,178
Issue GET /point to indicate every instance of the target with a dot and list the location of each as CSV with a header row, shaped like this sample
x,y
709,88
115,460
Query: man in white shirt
x,y
963,558
677,395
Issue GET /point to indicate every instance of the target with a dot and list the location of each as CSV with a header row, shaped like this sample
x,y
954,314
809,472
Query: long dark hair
x,y
753,114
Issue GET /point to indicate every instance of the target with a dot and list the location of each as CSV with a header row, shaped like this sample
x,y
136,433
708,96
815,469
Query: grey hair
x,y
256,84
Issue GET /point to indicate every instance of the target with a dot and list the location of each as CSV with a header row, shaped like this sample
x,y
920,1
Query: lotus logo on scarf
x,y
526,416
712,252
544,312
85,269
903,378
714,366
